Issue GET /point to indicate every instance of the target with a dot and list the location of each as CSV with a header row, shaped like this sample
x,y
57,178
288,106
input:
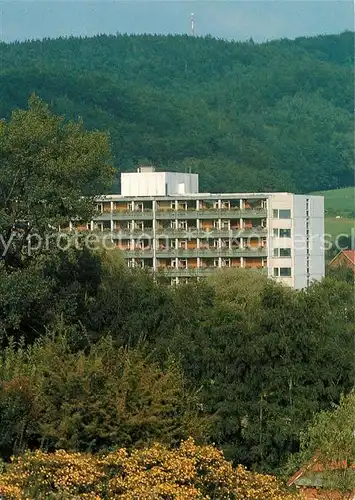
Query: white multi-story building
x,y
161,221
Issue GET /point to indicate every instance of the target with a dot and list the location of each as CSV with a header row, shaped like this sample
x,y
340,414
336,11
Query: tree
x,y
50,170
330,442
266,358
59,285
55,396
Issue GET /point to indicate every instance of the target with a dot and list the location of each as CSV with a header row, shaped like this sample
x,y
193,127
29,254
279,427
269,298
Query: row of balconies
x,y
195,271
183,214
191,232
148,253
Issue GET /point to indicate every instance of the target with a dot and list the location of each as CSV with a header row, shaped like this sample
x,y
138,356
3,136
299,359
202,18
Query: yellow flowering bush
x,y
188,472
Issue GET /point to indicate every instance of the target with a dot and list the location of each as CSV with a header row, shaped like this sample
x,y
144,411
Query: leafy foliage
x,y
189,472
330,442
53,396
47,167
272,116
267,358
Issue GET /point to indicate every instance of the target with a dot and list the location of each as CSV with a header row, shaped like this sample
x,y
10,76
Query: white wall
x,y
317,231
157,183
190,181
305,252
300,242
314,249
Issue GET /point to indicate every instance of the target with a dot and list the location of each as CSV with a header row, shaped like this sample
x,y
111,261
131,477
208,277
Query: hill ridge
x,y
272,116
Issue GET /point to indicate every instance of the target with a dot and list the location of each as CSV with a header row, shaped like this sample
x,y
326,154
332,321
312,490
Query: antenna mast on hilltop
x,y
192,17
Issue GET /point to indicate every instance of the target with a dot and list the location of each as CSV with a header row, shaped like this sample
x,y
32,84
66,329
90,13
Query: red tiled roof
x,y
350,254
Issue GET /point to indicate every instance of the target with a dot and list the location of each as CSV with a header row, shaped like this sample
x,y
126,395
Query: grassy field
x,y
339,201
335,227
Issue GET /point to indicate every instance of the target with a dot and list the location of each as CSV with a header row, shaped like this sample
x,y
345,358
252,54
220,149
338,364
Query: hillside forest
x,y
275,116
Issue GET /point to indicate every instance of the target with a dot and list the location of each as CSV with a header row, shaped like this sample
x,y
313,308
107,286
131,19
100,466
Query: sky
x,y
230,19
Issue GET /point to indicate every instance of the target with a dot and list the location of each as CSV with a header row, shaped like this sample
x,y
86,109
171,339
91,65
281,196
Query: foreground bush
x,y
54,397
156,472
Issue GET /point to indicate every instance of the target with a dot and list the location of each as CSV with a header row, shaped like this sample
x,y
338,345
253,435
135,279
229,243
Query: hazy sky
x,y
262,19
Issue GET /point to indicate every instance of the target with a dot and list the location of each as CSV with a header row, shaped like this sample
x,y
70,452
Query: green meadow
x,y
339,201
339,205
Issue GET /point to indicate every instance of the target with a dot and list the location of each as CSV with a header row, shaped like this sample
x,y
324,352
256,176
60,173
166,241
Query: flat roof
x,y
198,196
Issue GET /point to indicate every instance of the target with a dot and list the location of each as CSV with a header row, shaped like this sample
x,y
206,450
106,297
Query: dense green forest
x,y
96,355
271,116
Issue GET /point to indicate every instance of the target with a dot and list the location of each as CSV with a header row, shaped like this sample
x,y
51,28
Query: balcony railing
x,y
138,253
211,252
210,213
184,272
199,271
125,215
188,234
132,233
192,232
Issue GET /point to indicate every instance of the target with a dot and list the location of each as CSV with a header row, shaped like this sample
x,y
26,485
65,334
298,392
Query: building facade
x,y
161,221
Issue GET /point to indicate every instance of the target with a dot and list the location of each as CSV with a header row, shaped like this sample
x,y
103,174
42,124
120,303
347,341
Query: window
x,y
282,233
284,214
285,252
285,272
281,214
225,224
183,244
282,272
285,233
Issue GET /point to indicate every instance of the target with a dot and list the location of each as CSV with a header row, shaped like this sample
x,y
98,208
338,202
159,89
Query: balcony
x,y
208,213
125,215
176,214
171,272
231,213
193,232
136,234
211,252
138,253
132,214
103,216
211,213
